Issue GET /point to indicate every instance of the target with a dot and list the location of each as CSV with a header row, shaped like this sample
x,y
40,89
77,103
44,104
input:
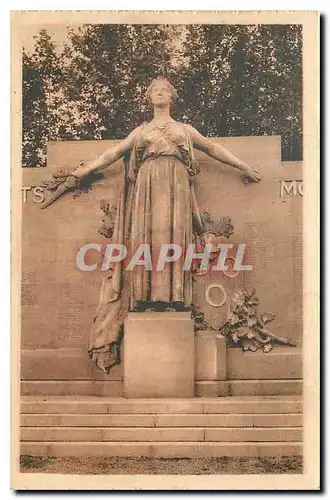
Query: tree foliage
x,y
232,80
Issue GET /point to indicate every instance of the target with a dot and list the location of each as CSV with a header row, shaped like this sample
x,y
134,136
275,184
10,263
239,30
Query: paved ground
x,y
116,465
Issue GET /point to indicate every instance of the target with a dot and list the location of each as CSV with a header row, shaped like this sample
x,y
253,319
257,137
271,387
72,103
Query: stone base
x,y
211,356
159,353
211,388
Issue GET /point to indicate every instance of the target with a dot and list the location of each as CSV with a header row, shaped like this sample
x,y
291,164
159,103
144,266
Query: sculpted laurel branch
x,y
246,328
57,179
64,181
222,227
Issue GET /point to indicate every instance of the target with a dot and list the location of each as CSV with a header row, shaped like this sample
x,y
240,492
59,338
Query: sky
x,y
58,32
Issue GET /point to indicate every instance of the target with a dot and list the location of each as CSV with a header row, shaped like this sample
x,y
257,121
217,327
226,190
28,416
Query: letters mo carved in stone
x,y
291,188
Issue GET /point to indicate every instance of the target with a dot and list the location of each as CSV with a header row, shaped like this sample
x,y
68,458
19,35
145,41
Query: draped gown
x,y
157,206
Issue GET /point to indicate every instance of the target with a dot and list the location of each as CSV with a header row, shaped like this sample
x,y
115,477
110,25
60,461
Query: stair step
x,y
111,434
177,434
169,420
263,434
161,449
98,405
79,420
231,420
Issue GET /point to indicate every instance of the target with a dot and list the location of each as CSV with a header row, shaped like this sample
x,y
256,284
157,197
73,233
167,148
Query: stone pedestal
x,y
210,364
159,353
211,356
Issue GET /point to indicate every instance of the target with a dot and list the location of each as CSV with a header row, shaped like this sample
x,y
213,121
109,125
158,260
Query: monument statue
x,y
157,205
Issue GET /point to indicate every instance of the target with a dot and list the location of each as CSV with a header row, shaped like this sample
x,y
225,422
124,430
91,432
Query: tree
x,y
42,79
245,80
232,80
108,69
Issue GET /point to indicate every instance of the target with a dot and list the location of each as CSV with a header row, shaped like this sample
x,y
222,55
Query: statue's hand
x,y
72,182
82,171
251,174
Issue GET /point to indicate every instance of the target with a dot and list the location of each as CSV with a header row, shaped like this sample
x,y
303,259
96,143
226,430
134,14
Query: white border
x,y
5,150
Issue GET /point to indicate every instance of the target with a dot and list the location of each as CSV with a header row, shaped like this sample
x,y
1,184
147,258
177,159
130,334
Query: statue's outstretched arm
x,y
222,154
61,183
109,156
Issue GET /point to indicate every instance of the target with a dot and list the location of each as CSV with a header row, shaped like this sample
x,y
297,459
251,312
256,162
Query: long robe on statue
x,y
157,205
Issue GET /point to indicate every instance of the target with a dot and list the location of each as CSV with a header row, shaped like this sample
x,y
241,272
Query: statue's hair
x,y
174,94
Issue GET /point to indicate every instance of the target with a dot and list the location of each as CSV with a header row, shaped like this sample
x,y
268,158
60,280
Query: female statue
x,y
157,205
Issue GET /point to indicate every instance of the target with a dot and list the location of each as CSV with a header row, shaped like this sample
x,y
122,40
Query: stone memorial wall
x,y
59,300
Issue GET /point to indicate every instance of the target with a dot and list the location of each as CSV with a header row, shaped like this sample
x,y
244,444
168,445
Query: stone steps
x,y
197,427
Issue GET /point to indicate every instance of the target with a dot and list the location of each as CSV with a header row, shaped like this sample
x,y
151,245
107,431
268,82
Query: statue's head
x,y
161,92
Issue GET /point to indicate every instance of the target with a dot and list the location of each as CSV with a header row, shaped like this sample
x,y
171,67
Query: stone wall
x,y
59,301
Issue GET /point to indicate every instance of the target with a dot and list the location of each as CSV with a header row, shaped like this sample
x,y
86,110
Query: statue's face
x,y
160,95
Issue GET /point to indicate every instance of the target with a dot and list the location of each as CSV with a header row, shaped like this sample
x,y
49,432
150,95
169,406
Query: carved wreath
x,y
245,327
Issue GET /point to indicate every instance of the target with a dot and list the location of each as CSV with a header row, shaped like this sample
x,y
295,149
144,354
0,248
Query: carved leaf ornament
x,y
246,328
